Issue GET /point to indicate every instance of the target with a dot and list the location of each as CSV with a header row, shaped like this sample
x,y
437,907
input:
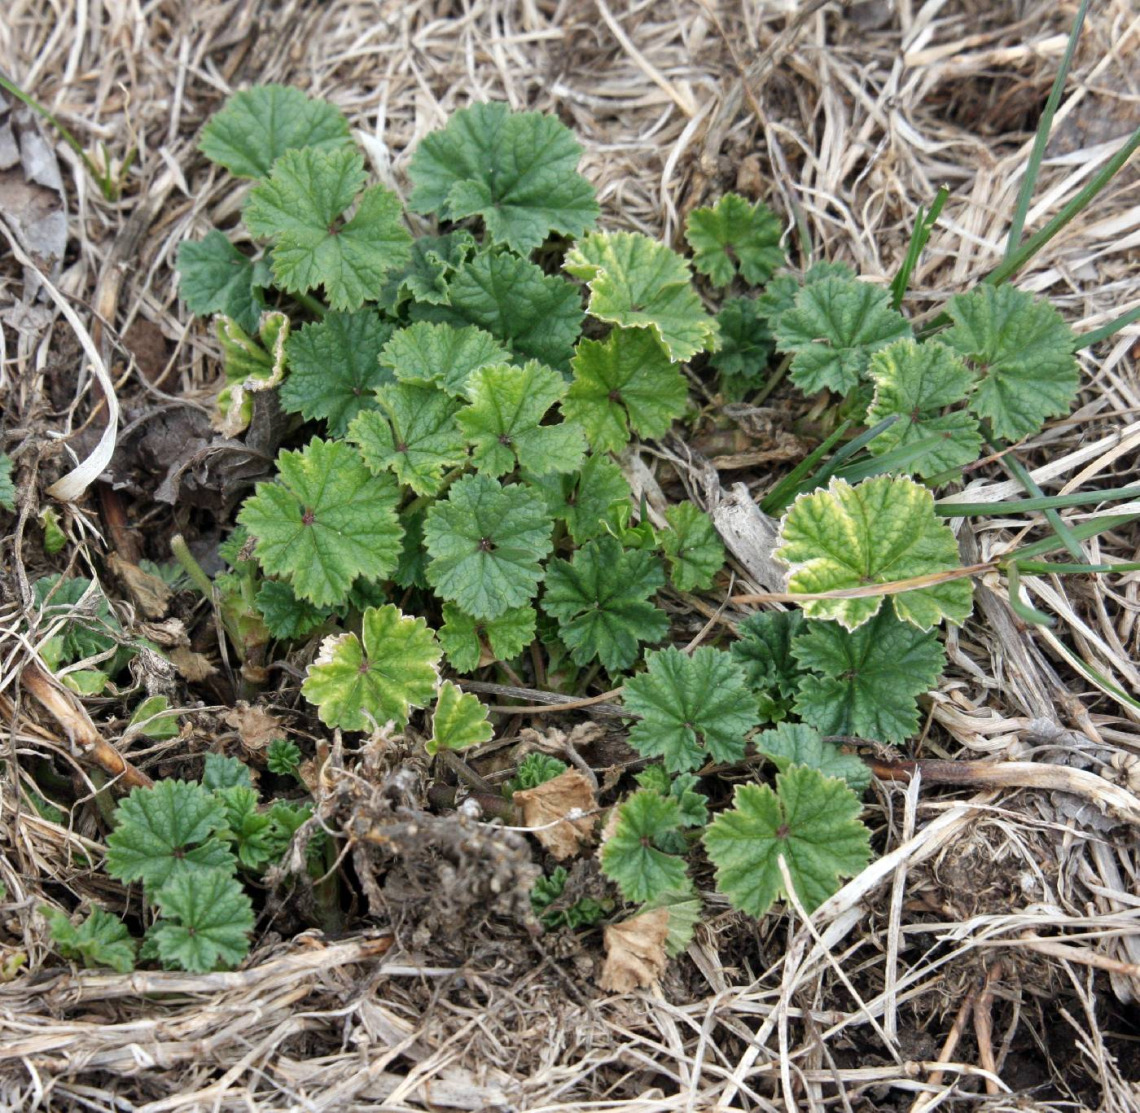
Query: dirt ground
x,y
991,954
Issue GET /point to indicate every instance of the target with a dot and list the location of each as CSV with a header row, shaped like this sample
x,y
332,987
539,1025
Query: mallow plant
x,y
463,374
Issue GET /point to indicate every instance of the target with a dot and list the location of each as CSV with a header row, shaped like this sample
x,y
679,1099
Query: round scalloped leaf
x,y
865,683
1023,350
880,531
487,543
735,236
257,126
214,277
915,383
358,682
441,355
812,821
834,327
639,283
206,921
799,744
586,499
629,857
692,546
470,642
300,206
516,170
326,522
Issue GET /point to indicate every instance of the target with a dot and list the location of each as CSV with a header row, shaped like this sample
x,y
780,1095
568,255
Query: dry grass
x,y
992,953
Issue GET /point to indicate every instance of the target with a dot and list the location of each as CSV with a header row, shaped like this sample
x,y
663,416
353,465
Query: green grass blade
x,y
1057,568
1025,611
946,509
1021,474
780,497
1041,139
1107,331
1082,531
923,226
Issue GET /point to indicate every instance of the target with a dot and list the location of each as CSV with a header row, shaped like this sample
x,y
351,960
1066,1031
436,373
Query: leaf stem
x,y
181,553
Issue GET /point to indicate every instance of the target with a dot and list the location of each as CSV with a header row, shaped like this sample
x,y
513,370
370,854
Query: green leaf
x,y
334,367
624,382
411,569
90,627
1023,351
225,772
164,832
538,316
835,326
876,532
692,546
586,499
735,237
459,721
685,912
780,294
865,683
55,540
516,170
283,757
326,522
812,821
424,279
377,677
287,617
260,124
630,857
214,277
682,788
503,423
799,744
465,639
639,283
251,365
100,940
916,382
745,347
158,726
765,651
416,437
206,921
301,206
441,355
535,769
691,708
7,487
486,543
601,600
584,912
249,831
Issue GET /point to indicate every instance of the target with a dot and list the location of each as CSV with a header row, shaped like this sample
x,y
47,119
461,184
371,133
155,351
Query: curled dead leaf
x,y
545,805
147,592
256,726
194,667
635,951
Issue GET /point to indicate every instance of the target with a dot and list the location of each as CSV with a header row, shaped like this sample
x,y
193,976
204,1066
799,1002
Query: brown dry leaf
x,y
147,592
552,801
635,951
194,667
256,726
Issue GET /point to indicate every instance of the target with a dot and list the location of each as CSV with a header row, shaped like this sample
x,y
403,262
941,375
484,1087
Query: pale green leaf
x,y
441,355
301,207
251,365
639,283
504,422
486,543
692,547
221,771
7,487
205,924
459,721
377,677
516,170
734,237
601,599
150,719
878,532
471,642
811,821
1022,350
691,708
916,383
624,382
326,522
416,436
334,367
865,683
260,124
99,940
538,316
800,744
535,769
834,327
